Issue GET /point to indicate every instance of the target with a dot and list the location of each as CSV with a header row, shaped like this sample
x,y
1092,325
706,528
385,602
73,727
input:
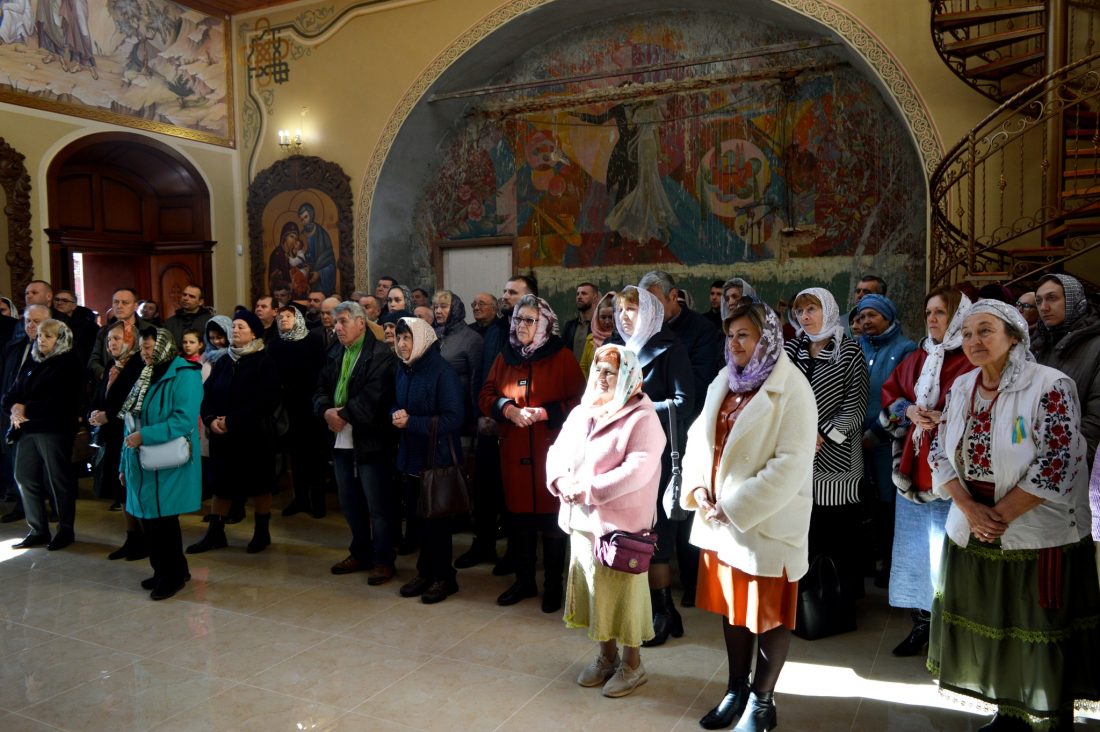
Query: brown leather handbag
x,y
444,491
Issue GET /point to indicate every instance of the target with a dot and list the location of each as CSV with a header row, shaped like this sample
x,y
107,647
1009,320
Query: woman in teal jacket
x,y
162,405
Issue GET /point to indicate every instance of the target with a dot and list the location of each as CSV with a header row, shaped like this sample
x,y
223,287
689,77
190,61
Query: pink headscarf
x,y
546,327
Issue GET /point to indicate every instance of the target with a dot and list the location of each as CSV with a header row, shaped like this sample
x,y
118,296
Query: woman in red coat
x,y
530,389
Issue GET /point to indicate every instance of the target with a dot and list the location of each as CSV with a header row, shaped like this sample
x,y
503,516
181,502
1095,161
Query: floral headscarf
x,y
747,290
831,327
456,315
163,351
928,383
628,384
546,327
651,316
299,330
64,342
1020,353
599,335
423,336
768,349
225,325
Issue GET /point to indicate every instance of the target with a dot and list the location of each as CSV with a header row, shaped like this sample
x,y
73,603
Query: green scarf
x,y
351,357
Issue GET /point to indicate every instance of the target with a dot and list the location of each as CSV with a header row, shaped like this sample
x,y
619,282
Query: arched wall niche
x,y
526,40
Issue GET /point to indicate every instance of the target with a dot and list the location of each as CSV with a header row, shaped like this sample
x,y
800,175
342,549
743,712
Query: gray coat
x,y
461,348
1077,355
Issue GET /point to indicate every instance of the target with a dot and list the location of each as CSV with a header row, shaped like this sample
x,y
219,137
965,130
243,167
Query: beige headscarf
x,y
423,336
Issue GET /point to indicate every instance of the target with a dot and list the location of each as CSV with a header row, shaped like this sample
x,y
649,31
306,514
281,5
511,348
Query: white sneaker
x,y
625,680
599,670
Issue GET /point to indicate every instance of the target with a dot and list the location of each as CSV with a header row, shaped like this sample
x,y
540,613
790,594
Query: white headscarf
x,y
1020,353
651,316
928,384
423,336
747,291
628,384
831,327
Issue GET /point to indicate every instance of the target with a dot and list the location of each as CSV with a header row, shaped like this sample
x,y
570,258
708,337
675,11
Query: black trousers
x,y
488,491
835,532
525,528
165,544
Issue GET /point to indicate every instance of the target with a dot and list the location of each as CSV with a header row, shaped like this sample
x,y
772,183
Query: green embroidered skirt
x,y
991,640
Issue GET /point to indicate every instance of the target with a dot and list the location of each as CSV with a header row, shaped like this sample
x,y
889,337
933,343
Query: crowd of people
x,y
754,445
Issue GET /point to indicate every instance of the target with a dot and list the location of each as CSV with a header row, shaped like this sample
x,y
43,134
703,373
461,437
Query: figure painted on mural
x,y
51,39
16,21
319,253
287,265
78,39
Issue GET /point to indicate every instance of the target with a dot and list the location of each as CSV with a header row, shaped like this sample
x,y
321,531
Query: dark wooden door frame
x,y
16,183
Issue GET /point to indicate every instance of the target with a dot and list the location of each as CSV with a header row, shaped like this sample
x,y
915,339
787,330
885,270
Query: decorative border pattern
x,y
16,183
845,25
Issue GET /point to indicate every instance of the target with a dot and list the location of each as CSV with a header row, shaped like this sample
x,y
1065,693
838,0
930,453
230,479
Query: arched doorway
x,y
127,211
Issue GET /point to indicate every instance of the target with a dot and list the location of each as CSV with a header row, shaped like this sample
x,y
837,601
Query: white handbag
x,y
171,454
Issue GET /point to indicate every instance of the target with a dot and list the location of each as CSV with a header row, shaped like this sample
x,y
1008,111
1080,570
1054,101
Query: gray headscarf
x,y
746,291
1077,305
64,342
1020,353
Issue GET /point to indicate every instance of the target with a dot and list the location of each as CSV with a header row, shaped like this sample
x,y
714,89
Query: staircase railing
x,y
1002,206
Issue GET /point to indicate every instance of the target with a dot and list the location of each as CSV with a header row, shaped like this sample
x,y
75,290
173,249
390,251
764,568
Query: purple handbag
x,y
626,552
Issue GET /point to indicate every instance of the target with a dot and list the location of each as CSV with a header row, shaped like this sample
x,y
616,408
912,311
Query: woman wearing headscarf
x,y
601,327
834,366
43,405
215,342
884,347
733,291
1068,339
104,417
428,390
605,469
531,387
1014,616
748,475
669,383
399,299
912,401
163,405
461,348
299,354
238,407
9,309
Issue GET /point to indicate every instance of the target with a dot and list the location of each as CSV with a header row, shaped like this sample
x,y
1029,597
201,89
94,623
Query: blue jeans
x,y
366,498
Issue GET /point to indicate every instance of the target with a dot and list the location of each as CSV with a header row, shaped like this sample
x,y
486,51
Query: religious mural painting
x,y
299,213
148,64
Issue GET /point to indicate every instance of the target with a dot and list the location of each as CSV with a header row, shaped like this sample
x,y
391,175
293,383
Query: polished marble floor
x,y
273,642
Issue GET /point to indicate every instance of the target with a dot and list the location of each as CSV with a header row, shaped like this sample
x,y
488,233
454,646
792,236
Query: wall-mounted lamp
x,y
288,141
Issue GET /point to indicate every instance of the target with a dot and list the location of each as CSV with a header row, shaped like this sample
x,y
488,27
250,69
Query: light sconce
x,y
288,141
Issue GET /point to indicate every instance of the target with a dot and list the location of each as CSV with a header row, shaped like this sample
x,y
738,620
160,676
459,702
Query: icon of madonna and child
x,y
303,259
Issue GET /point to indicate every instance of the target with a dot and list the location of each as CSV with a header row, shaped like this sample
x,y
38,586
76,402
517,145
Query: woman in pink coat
x,y
605,467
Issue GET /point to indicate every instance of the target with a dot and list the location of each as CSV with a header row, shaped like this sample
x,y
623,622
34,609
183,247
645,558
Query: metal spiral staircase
x,y
1020,195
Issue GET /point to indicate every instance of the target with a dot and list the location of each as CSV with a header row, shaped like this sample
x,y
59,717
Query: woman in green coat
x,y
162,406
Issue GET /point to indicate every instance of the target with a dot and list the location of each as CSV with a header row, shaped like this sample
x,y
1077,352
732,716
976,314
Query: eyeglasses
x,y
525,321
1024,305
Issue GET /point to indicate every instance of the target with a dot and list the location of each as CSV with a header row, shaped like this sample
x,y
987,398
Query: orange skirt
x,y
757,603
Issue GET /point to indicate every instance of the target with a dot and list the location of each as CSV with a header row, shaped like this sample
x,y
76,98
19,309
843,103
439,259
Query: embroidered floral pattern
x,y
1054,425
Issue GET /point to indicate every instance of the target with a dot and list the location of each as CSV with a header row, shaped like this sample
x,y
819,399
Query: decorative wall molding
x,y
16,183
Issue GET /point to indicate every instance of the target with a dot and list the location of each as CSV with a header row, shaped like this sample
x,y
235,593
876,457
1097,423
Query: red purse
x,y
626,552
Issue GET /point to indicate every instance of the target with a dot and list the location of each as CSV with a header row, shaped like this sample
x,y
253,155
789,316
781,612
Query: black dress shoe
x,y
415,587
915,642
728,710
164,590
439,591
519,591
148,584
32,540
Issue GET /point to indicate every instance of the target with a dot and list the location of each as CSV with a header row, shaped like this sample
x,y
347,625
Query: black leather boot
x,y
759,714
132,549
666,621
214,539
729,709
917,640
261,534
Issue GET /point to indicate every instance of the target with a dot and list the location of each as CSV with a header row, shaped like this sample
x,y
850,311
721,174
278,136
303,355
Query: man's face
x,y
866,287
586,298
1026,305
191,299
281,296
64,302
513,291
370,304
33,318
38,294
307,219
420,299
123,303
383,288
483,309
314,302
326,313
265,311
349,329
716,298
148,310
669,301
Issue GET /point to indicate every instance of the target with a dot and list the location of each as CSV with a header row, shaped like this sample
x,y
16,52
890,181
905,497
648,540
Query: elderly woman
x,y
460,347
163,405
884,347
43,405
430,397
104,417
912,400
668,381
239,401
748,475
733,291
834,366
1014,614
531,387
605,468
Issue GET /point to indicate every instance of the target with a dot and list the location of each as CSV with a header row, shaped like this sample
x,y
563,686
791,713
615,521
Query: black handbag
x,y
443,490
823,609
670,499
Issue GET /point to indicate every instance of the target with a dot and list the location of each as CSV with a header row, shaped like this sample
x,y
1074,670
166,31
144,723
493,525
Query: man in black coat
x,y
124,302
354,394
575,333
190,315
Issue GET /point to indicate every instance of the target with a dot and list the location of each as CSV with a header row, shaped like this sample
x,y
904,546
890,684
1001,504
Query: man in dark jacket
x,y
575,333
190,315
124,303
354,395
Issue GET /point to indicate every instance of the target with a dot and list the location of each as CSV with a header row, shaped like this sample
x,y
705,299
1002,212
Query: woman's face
x,y
743,337
404,346
4,309
810,317
628,315
190,344
527,320
733,297
937,318
986,340
217,338
115,342
607,376
872,322
46,342
441,309
242,334
396,299
607,318
148,345
286,321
